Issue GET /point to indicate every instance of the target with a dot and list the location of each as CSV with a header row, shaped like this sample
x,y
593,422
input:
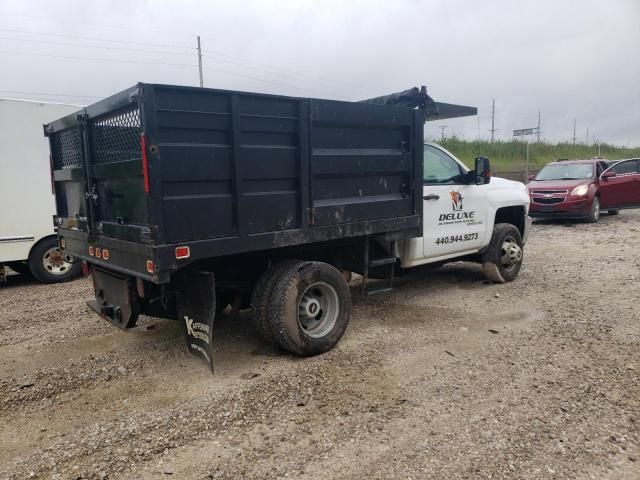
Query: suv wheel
x,y
594,214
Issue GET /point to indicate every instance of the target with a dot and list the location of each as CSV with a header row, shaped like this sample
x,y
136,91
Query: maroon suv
x,y
582,188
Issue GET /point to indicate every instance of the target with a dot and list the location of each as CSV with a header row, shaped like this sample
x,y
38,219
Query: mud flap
x,y
196,307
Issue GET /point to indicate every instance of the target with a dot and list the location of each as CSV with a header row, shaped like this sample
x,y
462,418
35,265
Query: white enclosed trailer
x,y
28,242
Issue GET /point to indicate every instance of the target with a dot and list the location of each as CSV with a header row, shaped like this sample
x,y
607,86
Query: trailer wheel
x,y
261,296
310,308
49,264
503,258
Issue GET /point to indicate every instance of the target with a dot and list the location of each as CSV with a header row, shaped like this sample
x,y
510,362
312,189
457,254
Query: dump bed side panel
x,y
229,161
239,165
362,162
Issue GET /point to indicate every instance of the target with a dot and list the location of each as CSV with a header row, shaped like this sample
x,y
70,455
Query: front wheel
x,y
310,308
49,264
594,213
502,260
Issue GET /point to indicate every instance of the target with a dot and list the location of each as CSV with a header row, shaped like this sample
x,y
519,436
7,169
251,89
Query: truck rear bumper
x,y
130,258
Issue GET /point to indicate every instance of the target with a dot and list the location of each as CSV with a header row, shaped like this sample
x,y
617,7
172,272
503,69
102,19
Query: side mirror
x,y
482,171
608,174
531,177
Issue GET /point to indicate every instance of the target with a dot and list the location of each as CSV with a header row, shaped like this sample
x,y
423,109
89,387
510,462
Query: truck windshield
x,y
565,171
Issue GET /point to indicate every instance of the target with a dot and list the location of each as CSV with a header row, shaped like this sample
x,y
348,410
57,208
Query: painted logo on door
x,y
459,214
456,201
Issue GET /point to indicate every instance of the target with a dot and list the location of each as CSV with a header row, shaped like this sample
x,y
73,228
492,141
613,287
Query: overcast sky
x,y
568,59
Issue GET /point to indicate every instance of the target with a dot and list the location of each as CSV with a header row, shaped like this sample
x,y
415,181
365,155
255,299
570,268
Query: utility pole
x,y
200,61
478,127
442,127
587,136
538,126
574,131
493,119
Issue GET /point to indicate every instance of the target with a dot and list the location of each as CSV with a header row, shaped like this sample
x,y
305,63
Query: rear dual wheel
x,y
308,307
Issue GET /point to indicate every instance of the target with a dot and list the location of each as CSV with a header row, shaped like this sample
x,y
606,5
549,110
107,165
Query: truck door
x,y
623,189
454,212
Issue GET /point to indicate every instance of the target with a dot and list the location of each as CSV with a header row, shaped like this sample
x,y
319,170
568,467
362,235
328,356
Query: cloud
x,y
568,60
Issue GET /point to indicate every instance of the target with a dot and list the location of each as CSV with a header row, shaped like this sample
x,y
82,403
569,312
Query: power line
x,y
96,39
280,84
243,63
47,42
285,71
22,92
112,60
60,20
300,76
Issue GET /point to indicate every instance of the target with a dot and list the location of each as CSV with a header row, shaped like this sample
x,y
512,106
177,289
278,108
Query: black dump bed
x,y
224,172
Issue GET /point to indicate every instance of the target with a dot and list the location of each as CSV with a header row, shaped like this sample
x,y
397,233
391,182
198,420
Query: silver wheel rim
x,y
511,253
318,309
56,262
596,208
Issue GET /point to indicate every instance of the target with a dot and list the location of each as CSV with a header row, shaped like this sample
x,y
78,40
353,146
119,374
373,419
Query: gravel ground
x,y
447,378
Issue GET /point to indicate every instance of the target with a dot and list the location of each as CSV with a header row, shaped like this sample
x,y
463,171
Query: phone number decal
x,y
456,238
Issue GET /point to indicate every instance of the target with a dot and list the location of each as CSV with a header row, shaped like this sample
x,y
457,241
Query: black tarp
x,y
418,98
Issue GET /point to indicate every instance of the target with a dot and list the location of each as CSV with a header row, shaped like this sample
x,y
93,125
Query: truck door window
x,y
440,168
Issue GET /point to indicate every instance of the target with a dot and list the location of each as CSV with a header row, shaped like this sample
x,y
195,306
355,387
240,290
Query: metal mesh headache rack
x,y
116,135
66,148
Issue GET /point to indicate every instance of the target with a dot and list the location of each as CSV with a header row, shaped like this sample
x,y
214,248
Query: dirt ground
x,y
447,377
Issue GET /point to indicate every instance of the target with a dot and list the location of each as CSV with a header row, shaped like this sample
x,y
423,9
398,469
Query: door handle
x,y
431,196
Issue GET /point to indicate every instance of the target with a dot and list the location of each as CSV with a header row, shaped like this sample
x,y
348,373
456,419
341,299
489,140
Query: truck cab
x,y
461,208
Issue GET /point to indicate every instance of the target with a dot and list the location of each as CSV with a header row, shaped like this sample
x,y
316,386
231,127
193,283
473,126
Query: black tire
x,y
261,296
505,241
20,267
310,282
594,213
41,263
613,212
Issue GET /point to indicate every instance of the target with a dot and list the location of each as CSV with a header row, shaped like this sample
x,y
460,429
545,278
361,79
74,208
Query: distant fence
x,y
517,175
